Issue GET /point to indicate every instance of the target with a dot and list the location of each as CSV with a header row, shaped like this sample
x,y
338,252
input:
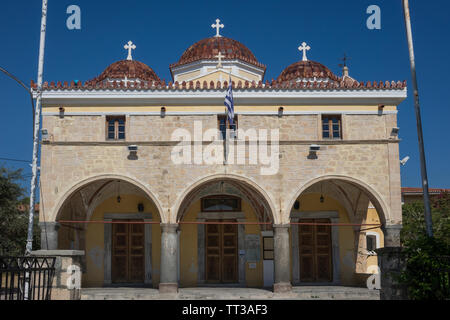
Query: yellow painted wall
x,y
238,108
373,218
188,240
95,237
189,245
188,75
216,76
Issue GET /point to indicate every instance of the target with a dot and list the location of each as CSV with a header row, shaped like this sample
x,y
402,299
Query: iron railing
x,y
26,278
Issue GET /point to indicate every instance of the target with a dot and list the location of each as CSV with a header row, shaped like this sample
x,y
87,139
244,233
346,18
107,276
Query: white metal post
x,y
423,164
37,123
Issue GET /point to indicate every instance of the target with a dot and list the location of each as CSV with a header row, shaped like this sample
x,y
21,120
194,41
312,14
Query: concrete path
x,y
220,293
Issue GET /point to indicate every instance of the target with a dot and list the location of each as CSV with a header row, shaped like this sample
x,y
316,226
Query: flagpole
x,y
423,165
37,123
227,128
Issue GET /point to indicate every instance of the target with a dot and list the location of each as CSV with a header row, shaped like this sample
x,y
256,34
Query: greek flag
x,y
230,104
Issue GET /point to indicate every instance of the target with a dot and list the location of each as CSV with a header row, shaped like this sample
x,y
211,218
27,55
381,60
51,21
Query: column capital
x,y
393,226
392,235
169,227
49,235
50,225
281,226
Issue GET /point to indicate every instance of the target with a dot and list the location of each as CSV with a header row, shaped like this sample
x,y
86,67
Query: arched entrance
x,y
116,222
331,219
223,226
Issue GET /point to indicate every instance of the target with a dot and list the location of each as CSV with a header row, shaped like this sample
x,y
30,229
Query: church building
x,y
158,188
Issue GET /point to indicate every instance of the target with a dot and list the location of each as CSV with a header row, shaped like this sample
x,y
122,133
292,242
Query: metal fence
x,y
26,278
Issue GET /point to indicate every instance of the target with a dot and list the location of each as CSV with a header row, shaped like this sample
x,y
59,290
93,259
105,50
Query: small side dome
x,y
306,70
127,69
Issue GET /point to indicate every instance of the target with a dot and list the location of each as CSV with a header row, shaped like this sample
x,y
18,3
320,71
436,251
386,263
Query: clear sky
x,y
273,30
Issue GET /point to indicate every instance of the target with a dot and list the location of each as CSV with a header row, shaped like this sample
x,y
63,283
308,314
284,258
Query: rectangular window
x,y
371,243
222,124
221,204
331,127
268,248
115,128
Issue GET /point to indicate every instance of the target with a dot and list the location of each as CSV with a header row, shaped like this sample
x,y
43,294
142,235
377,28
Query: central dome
x,y
208,48
129,69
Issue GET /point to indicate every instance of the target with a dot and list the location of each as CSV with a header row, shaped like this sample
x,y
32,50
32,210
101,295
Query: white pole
x,y
423,163
37,123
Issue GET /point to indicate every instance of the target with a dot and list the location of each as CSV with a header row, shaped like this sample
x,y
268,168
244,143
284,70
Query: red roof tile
x,y
407,190
306,70
259,86
210,47
131,69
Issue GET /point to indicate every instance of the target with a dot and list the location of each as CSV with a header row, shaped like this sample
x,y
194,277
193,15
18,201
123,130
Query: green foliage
x,y
427,270
428,259
13,219
414,220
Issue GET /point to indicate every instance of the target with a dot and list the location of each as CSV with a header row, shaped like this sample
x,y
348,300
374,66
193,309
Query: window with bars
x,y
115,128
331,127
222,124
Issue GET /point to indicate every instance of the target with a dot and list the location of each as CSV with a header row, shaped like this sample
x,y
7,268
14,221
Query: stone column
x,y
391,262
295,252
148,252
241,258
282,261
201,252
169,257
392,235
49,235
107,256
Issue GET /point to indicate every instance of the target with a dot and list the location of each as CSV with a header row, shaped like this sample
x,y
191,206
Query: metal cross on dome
x,y
217,26
219,56
304,47
130,46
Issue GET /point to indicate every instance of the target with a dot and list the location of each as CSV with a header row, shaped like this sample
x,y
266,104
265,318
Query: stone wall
x,y
68,262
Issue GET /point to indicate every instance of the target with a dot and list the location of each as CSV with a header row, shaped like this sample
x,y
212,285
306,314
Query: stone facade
x,y
288,173
78,153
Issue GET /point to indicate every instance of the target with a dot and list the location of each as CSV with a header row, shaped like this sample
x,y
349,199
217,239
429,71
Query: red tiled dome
x,y
306,69
131,69
210,47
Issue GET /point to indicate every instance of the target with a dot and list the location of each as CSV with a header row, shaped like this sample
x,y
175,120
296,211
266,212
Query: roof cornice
x,y
272,96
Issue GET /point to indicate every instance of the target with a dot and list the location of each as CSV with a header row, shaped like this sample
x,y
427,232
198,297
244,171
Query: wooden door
x,y
221,253
315,251
128,261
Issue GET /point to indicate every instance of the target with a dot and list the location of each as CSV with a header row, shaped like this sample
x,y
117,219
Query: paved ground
x,y
220,293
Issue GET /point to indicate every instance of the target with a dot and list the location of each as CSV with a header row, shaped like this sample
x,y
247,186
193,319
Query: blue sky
x,y
273,30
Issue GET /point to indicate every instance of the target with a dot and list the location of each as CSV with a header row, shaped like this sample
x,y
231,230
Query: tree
x,y
414,221
13,218
427,271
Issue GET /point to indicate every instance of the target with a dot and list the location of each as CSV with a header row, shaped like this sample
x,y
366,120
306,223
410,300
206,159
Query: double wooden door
x,y
128,261
221,252
315,251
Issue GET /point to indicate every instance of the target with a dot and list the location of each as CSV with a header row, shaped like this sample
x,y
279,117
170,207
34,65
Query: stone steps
x,y
298,293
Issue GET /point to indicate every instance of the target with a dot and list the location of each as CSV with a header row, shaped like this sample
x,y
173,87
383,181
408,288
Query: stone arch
x,y
107,177
243,182
367,191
